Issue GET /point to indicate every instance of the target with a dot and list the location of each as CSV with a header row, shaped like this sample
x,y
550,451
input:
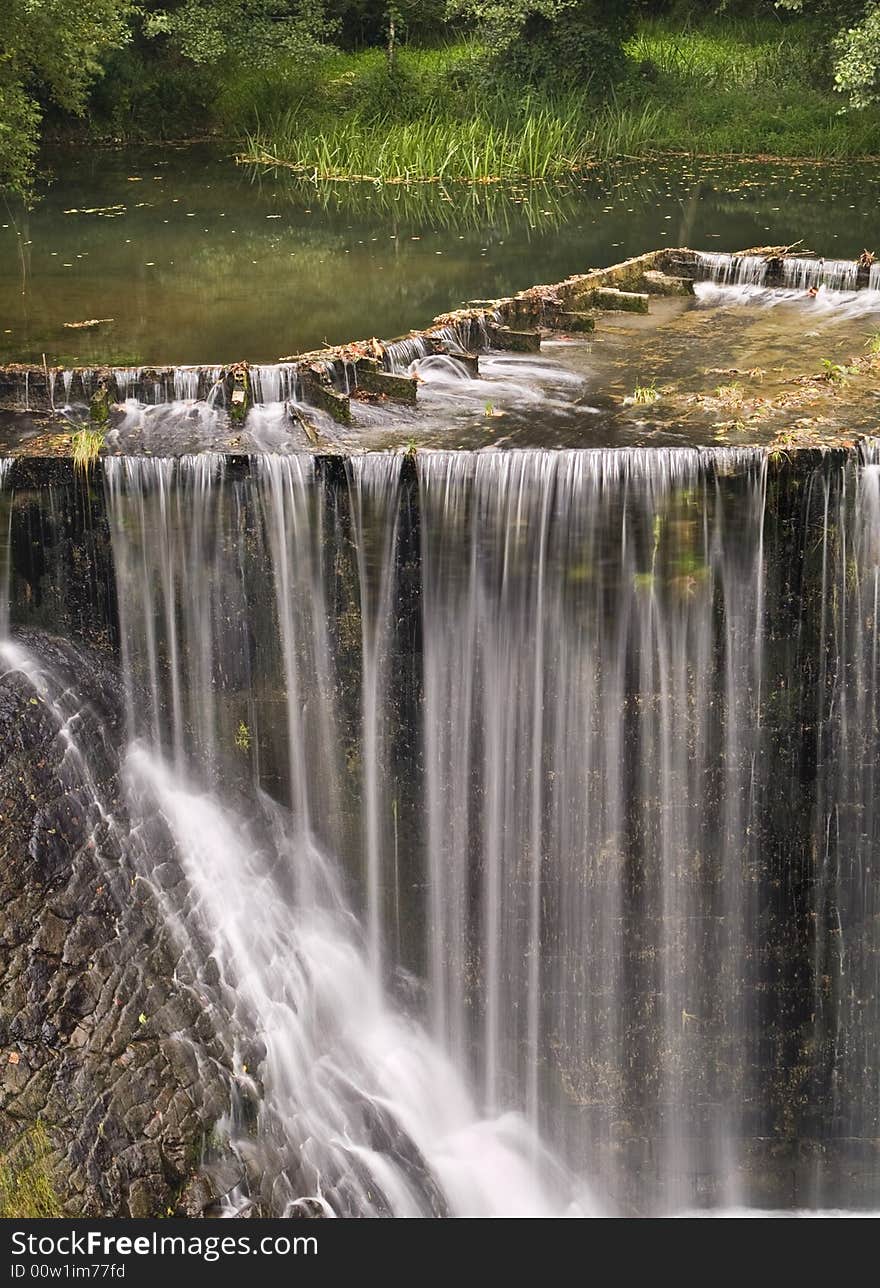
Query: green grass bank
x,y
739,89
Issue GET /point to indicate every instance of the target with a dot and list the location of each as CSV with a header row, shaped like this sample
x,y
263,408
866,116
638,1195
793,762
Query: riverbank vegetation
x,y
744,89
26,1186
475,89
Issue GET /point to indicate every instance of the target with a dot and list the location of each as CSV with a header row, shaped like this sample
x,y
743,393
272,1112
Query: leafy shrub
x,y
858,60
551,41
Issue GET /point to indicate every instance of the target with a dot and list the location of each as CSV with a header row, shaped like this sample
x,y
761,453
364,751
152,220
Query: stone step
x,y
374,380
501,337
573,321
320,393
610,298
657,283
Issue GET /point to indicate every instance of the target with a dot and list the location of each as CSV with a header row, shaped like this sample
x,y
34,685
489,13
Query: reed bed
x,y
538,144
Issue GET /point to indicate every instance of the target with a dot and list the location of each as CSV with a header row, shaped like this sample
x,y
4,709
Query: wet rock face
x,y
97,1040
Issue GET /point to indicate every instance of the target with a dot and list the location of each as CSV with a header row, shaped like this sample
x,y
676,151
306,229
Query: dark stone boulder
x,y
98,1039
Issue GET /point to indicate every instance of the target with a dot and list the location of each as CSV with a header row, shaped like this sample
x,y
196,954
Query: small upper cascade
x,y
788,272
467,335
401,354
163,387
808,274
439,368
186,384
275,382
734,270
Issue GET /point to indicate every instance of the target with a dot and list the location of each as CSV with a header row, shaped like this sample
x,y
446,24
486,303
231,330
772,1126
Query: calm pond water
x,y
195,259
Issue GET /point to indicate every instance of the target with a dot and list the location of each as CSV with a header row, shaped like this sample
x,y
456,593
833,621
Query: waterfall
x,y
734,270
5,544
360,1110
837,274
795,272
524,809
575,606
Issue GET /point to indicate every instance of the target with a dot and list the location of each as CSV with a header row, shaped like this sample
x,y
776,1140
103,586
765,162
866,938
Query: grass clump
x,y
521,138
834,373
644,395
26,1188
438,115
86,445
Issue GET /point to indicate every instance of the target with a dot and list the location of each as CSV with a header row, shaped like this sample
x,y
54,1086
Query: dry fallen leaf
x,y
88,324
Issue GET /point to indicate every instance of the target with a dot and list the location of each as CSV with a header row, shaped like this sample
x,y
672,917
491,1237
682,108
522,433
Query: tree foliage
x,y
50,53
166,60
856,46
260,31
858,59
576,41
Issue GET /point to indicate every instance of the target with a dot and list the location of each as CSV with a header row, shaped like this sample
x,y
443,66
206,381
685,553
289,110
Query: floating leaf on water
x,y
109,211
87,324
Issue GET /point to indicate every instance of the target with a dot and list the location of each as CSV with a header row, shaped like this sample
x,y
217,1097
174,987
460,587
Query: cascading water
x,y
5,543
837,274
750,277
575,608
274,383
360,1110
524,804
465,336
734,270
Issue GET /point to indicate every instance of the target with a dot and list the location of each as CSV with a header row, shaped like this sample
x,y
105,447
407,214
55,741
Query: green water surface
x,y
195,259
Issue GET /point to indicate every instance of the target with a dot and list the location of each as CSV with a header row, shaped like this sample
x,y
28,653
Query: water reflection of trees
x,y
448,207
733,189
348,259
